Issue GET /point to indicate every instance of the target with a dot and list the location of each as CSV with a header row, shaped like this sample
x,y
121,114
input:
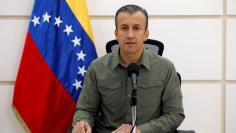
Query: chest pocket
x,y
110,91
149,93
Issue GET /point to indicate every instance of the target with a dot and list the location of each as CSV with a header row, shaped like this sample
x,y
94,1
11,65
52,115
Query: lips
x,y
130,43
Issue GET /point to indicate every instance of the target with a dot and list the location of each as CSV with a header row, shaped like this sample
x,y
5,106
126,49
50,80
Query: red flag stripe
x,y
37,97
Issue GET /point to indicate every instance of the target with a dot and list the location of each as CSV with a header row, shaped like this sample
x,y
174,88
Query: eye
x,y
136,28
124,28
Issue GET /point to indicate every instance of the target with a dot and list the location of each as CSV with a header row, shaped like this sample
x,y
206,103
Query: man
x,y
103,105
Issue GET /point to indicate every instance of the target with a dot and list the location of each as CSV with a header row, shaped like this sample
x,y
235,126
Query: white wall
x,y
199,37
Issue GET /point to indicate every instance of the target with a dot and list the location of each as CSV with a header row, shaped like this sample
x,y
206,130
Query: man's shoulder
x,y
155,58
102,61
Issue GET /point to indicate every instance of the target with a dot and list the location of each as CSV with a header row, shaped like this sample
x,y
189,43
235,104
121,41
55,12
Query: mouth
x,y
130,43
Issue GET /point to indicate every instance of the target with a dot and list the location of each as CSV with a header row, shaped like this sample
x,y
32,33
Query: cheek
x,y
120,37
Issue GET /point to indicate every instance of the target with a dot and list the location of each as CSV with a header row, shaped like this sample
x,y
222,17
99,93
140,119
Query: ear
x,y
115,32
146,35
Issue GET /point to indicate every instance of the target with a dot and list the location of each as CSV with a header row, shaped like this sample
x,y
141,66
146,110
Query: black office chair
x,y
154,46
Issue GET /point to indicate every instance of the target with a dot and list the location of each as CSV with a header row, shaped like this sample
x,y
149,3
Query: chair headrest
x,y
152,45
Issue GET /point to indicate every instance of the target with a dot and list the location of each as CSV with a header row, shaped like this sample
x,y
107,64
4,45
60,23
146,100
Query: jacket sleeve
x,y
87,105
172,106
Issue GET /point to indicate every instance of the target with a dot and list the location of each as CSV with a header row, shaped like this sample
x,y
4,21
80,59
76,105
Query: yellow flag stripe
x,y
79,8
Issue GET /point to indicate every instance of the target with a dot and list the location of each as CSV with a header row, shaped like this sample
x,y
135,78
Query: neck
x,y
128,58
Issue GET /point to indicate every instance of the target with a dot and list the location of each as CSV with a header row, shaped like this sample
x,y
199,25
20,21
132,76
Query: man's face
x,y
131,32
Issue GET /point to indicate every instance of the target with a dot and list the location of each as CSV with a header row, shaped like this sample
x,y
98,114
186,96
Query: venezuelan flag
x,y
58,50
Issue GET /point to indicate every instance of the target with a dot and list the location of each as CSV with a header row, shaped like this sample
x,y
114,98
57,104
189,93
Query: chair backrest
x,y
154,46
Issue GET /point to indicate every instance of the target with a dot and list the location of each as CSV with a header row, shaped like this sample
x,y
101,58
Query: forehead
x,y
128,18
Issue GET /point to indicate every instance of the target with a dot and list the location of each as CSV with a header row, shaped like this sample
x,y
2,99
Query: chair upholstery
x,y
152,45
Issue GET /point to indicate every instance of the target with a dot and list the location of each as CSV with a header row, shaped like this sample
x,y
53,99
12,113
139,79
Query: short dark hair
x,y
132,9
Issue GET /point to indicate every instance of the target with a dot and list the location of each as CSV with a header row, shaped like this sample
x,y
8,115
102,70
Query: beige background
x,y
199,37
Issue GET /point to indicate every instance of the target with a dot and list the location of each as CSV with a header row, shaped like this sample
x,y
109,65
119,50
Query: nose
x,y
130,34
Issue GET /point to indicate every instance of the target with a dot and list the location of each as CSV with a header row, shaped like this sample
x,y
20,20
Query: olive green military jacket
x,y
104,100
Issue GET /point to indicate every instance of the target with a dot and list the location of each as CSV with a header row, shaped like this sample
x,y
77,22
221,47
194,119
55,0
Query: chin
x,y
131,51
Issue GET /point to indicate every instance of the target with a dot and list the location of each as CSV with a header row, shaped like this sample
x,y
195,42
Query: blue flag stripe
x,y
55,43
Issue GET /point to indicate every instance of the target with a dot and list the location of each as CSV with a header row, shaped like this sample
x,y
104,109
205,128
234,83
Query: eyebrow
x,y
122,25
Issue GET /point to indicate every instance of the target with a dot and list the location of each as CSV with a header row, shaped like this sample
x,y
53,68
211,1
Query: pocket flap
x,y
150,83
108,83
